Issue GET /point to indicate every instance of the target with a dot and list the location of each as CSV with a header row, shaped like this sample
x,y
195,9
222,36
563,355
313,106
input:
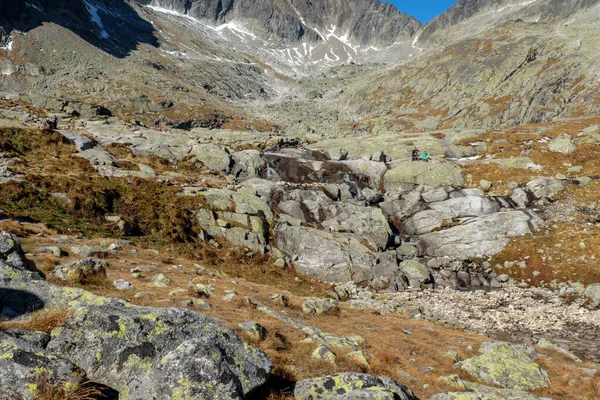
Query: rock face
x,y
483,236
352,386
366,21
324,255
506,365
160,353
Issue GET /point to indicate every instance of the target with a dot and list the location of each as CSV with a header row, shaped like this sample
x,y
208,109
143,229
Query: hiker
x,y
425,156
155,122
54,122
47,123
160,128
415,155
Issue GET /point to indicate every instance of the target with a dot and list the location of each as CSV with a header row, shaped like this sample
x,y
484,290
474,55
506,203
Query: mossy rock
x,y
173,353
505,365
351,385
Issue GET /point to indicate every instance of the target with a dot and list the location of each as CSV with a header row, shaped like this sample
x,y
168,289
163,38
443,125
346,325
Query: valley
x,y
230,208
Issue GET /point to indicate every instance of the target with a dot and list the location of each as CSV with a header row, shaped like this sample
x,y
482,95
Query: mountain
x,y
362,22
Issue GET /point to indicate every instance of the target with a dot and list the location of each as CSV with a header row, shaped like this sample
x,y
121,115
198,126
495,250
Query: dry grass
x,y
47,389
41,321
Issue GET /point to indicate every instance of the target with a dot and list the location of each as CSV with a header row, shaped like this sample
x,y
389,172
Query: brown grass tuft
x,y
48,390
41,321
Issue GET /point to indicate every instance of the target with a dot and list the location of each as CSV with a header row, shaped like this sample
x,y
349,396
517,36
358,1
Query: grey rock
x,y
122,284
407,251
54,250
593,292
23,363
505,365
431,173
160,353
351,385
254,329
323,255
562,144
89,251
81,269
319,306
545,188
160,281
414,271
81,142
482,236
248,164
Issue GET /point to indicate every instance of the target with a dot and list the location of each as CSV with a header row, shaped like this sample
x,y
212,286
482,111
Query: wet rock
x,y
350,385
160,353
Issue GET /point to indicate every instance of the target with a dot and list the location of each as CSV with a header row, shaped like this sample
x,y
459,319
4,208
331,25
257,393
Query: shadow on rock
x,y
15,303
112,25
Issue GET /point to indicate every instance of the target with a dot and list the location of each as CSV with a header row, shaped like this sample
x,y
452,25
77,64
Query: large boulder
x,y
248,164
25,365
350,386
372,169
562,144
432,173
325,256
482,236
506,365
414,271
363,223
152,353
445,211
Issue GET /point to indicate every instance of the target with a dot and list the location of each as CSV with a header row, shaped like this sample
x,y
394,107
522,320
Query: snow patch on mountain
x,y
93,10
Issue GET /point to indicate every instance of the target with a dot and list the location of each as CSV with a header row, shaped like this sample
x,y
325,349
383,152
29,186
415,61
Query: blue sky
x,y
423,10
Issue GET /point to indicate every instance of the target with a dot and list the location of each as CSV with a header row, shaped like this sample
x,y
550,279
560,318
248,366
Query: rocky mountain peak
x,y
364,22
